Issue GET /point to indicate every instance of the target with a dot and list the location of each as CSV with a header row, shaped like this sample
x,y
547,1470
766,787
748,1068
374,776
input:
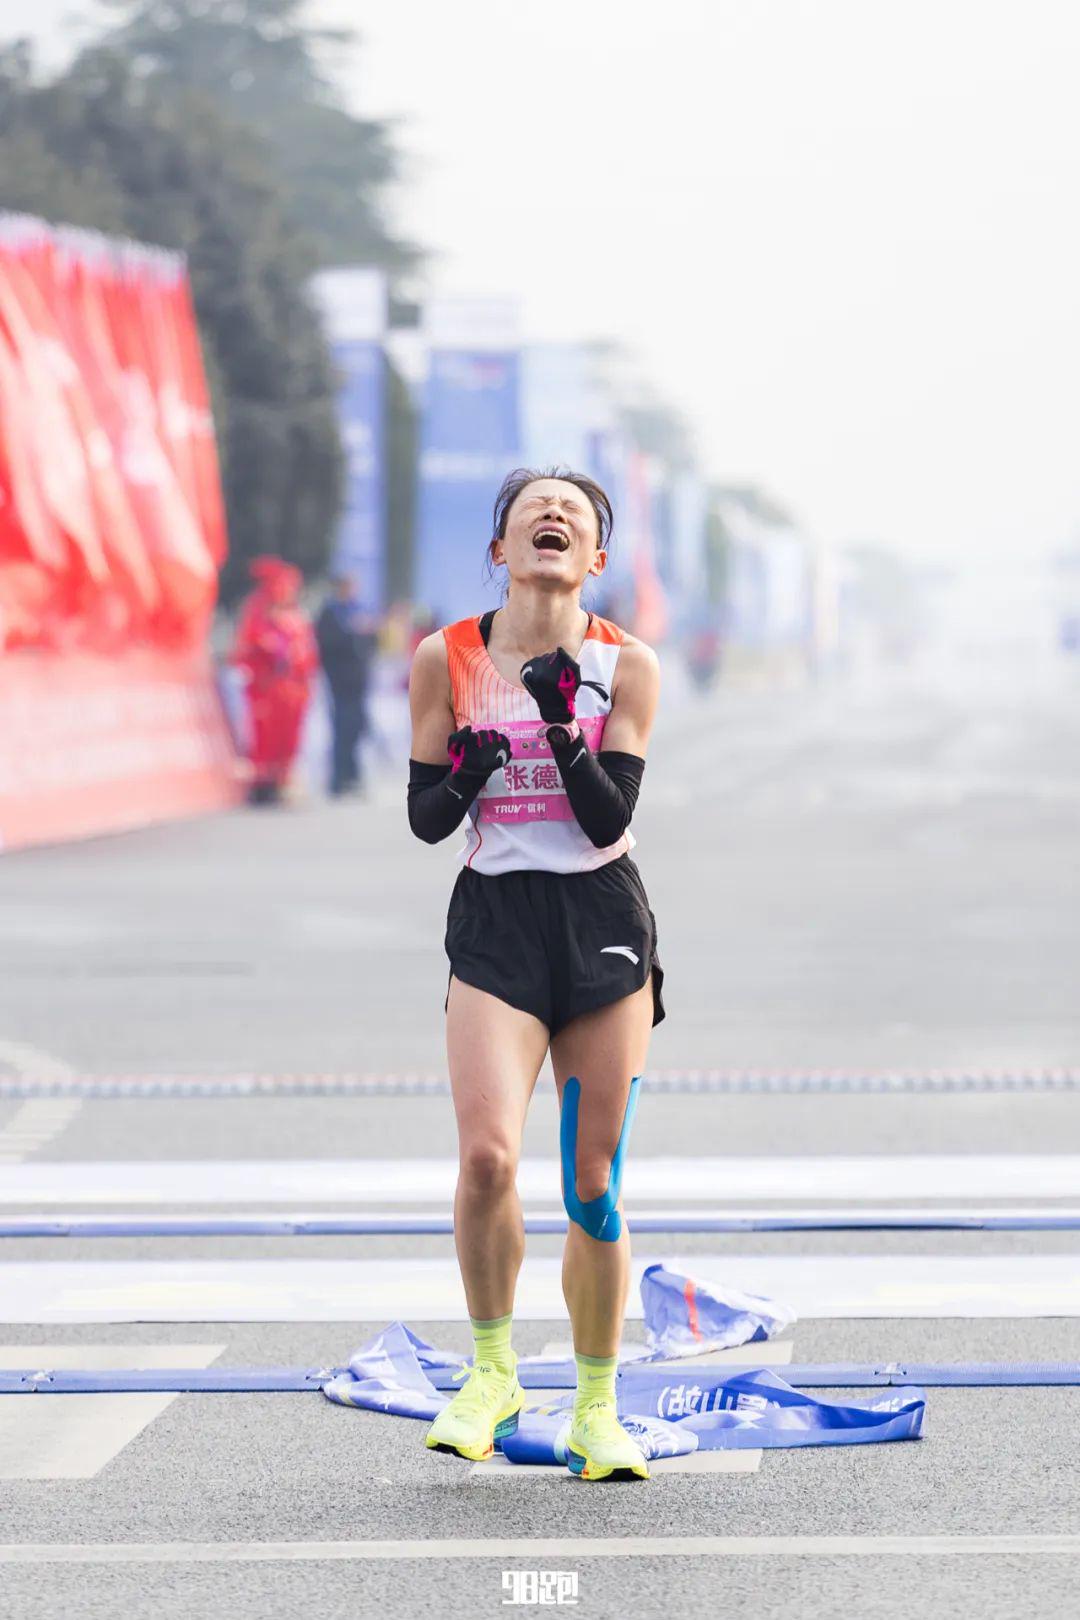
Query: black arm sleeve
x,y
435,807
602,789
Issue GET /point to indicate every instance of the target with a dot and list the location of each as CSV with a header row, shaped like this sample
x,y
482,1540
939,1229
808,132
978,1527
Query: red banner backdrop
x,y
112,532
91,744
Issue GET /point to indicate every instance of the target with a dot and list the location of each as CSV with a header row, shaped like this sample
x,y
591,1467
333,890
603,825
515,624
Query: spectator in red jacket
x,y
276,647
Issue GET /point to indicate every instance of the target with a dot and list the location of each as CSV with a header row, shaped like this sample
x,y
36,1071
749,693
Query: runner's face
x,y
552,536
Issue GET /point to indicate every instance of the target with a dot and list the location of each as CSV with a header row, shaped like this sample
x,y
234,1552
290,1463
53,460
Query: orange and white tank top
x,y
522,818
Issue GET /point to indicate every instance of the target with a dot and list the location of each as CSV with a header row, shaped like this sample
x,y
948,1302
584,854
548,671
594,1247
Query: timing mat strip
x,y
754,1082
406,1225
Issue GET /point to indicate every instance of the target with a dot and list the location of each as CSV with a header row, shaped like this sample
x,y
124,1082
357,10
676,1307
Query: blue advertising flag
x,y
360,547
608,453
555,401
469,441
352,301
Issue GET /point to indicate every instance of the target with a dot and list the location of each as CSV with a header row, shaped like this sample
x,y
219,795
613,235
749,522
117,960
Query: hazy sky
x,y
843,235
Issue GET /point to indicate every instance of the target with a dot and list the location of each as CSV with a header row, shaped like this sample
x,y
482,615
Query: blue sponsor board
x,y
360,547
607,453
662,528
555,402
470,439
746,606
769,590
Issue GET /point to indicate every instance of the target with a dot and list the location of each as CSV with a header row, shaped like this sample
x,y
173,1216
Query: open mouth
x,y
551,540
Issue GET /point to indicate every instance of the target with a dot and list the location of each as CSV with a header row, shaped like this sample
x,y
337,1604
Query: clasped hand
x,y
553,680
477,753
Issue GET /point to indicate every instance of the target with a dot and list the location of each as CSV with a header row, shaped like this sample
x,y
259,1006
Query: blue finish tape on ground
x,y
556,1375
640,1380
705,1221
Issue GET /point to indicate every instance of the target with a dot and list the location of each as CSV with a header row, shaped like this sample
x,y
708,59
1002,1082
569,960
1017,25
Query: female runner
x,y
532,721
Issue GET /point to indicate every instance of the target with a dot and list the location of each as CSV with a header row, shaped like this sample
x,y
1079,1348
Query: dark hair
x,y
521,477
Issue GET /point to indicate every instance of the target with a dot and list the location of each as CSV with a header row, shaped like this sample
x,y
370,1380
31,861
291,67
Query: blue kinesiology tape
x,y
597,1216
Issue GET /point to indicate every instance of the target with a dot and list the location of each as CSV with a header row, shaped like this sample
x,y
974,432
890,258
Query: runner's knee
x,y
593,1174
591,1184
488,1169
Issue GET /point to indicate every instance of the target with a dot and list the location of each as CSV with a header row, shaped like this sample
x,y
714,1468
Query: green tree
x,y
261,62
40,174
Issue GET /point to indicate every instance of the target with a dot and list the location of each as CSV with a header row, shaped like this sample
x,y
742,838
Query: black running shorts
x,y
555,944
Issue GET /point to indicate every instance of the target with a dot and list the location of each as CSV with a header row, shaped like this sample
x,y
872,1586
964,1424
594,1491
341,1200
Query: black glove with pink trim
x,y
439,798
477,753
553,680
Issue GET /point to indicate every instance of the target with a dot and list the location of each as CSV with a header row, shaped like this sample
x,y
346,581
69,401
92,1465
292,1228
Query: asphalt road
x,y
872,880
875,880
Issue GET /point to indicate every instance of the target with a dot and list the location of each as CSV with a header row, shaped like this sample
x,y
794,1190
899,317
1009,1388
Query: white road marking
x,y
772,1353
74,1437
821,1286
32,1060
710,1462
34,1124
246,1552
945,1177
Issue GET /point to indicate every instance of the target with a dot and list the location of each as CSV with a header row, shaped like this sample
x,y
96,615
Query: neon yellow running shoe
x,y
482,1413
598,1447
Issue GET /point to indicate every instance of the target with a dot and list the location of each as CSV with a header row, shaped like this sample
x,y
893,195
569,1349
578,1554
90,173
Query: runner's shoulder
x,y
431,651
638,662
430,666
628,644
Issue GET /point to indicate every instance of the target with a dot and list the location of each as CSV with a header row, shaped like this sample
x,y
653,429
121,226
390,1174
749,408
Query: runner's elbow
x,y
605,831
424,830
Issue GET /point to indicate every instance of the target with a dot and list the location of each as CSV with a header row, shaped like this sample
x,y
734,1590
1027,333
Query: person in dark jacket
x,y
347,641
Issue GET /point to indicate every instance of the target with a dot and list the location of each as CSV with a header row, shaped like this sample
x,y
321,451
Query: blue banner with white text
x,y
670,1405
360,547
469,440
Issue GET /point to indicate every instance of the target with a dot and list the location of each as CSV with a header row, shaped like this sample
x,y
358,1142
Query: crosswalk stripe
x,y
36,1123
946,1177
542,1547
74,1439
822,1286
